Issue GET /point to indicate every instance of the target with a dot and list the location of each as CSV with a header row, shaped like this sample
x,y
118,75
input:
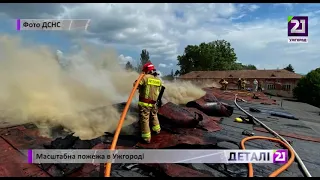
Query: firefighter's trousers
x,y
146,112
239,86
224,86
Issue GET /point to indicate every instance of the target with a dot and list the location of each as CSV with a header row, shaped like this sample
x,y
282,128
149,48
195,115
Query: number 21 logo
x,y
296,25
280,156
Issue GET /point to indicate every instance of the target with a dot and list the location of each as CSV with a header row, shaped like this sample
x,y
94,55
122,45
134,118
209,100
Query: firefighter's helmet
x,y
148,67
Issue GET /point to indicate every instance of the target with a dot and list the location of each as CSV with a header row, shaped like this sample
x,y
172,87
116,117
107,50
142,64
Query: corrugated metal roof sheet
x,y
266,74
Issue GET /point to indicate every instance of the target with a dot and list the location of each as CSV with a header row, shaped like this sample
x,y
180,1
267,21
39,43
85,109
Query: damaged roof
x,y
261,74
192,129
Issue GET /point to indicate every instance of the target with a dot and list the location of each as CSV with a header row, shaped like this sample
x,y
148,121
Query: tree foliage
x,y
289,68
216,55
129,66
169,77
308,88
240,66
177,73
249,67
144,58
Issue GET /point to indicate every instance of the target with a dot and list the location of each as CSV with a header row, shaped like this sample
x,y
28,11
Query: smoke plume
x,y
53,89
182,92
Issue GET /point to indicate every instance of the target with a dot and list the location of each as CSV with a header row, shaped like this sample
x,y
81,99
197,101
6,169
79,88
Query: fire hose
x,y
281,140
293,153
122,117
278,171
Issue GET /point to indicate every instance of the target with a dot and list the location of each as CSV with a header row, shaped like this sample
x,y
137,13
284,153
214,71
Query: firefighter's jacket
x,y
149,89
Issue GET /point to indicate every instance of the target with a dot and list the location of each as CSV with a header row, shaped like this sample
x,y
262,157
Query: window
x,y
271,86
286,87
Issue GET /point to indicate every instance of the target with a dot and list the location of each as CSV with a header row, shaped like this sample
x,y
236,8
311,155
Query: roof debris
x,y
206,123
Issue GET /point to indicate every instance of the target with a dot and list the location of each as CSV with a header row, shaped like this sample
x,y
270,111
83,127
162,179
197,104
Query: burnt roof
x,y
263,74
17,138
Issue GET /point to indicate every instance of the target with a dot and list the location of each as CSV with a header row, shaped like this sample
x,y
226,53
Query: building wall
x,y
285,89
270,86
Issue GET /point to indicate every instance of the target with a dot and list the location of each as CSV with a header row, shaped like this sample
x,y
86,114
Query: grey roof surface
x,y
308,124
231,135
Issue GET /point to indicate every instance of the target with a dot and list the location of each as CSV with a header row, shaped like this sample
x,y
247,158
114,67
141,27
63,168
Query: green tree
x,y
144,58
170,76
236,66
289,68
308,88
249,67
216,55
177,73
240,66
129,66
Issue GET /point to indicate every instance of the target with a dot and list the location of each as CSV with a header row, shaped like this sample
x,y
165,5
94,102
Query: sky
x,y
257,32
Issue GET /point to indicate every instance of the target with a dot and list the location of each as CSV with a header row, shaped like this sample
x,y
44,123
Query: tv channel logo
x,y
280,156
297,29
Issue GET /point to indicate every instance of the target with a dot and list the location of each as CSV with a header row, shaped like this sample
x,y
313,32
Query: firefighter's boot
x,y
146,140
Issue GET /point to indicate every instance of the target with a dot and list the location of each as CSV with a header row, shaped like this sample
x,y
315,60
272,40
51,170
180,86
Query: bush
x,y
308,88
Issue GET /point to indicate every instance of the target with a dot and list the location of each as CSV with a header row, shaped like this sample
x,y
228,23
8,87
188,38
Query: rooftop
x,y
216,133
263,74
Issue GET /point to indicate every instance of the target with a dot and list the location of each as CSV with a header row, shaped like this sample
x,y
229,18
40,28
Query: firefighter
x,y
149,89
239,83
255,85
243,84
224,84
259,86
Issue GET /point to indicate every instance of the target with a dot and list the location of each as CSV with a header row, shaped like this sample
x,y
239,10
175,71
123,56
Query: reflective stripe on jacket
x,y
150,87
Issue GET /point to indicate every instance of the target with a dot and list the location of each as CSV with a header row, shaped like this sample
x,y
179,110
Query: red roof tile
x,y
265,74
